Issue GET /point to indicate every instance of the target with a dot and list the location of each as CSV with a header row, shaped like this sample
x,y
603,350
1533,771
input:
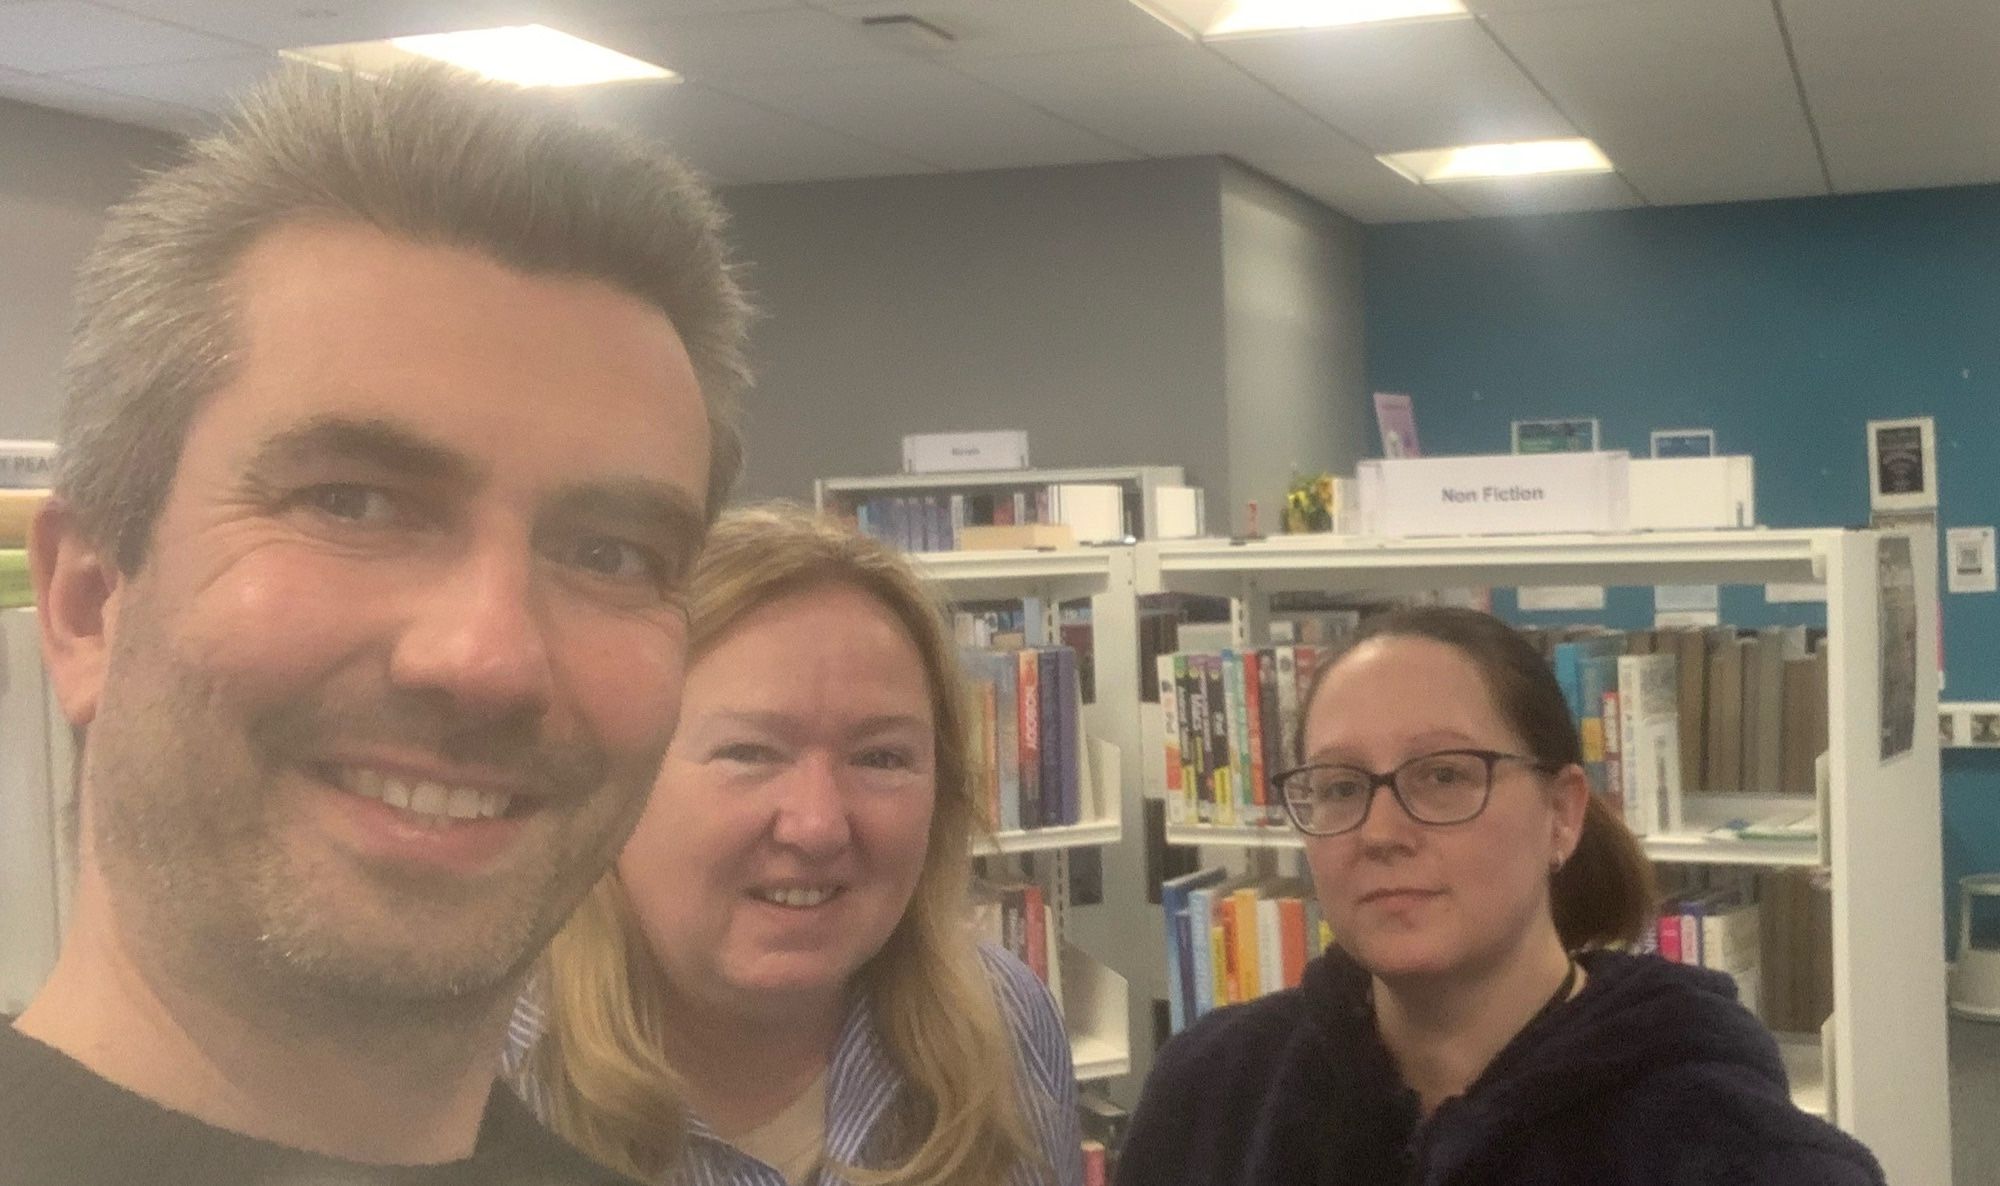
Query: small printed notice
x,y
1560,597
1969,555
1555,436
1687,605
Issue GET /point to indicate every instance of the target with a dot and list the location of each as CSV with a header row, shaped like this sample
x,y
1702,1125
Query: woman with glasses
x,y
1475,1022
778,983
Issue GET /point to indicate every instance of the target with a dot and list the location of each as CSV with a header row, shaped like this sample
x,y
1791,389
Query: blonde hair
x,y
599,1070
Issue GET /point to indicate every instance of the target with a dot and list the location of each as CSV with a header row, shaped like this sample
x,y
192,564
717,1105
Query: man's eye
x,y
747,753
618,559
353,503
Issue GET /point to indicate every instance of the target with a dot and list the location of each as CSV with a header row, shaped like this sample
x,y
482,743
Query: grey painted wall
x,y
58,173
1082,304
1295,375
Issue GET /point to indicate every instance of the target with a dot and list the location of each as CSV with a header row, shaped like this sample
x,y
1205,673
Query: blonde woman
x,y
777,984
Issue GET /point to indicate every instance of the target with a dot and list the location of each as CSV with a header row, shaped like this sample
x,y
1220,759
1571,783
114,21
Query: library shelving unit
x,y
1095,998
1879,1068
1140,483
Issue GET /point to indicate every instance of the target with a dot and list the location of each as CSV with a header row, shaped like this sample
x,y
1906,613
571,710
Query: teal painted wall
x,y
1782,325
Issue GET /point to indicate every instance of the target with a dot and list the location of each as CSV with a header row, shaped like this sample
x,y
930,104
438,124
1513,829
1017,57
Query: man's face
x,y
390,688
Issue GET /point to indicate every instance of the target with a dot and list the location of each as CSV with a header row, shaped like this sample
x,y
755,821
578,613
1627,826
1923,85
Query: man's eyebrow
x,y
375,441
633,501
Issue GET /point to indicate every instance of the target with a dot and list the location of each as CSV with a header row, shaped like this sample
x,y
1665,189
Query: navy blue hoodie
x,y
1653,1074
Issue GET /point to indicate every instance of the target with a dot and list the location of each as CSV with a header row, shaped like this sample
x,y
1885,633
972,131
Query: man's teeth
x,y
797,898
426,798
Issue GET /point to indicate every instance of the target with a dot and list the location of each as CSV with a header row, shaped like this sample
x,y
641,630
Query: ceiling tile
x,y
1183,100
290,24
210,86
984,28
54,36
62,95
738,142
1693,100
1421,84
929,113
1905,94
718,47
1542,195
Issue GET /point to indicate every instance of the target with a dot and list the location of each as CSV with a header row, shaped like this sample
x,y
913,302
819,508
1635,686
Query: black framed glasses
x,y
1447,787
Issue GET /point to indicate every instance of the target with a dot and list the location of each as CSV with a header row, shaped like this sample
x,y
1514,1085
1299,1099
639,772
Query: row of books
x,y
1016,915
934,522
1771,931
1736,710
1234,939
1231,721
1025,732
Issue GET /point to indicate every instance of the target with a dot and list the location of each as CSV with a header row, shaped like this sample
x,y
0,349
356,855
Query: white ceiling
x,y
1693,100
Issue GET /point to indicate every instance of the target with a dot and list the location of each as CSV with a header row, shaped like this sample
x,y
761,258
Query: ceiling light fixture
x,y
1221,19
525,55
1523,158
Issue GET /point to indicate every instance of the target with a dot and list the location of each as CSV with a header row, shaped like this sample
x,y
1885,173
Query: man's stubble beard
x,y
213,889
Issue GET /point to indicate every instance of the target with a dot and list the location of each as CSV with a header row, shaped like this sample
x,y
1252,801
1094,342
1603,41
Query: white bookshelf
x,y
1879,1070
1142,480
1096,989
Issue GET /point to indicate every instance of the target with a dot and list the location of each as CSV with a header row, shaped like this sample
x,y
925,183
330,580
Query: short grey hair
x,y
426,154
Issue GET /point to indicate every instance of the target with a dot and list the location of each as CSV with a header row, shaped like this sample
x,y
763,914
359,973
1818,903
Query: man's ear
x,y
76,596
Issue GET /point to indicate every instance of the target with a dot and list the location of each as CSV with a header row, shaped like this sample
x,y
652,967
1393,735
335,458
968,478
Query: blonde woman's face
x,y
789,824
1413,899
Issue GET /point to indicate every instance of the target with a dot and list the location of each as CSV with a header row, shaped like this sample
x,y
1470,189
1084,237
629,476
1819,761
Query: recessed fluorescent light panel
x,y
525,55
1473,162
1214,19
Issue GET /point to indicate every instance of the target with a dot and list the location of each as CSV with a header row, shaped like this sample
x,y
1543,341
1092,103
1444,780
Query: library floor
x,y
1975,1101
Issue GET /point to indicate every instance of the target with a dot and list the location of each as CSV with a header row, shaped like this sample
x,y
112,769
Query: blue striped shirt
x,y
864,1085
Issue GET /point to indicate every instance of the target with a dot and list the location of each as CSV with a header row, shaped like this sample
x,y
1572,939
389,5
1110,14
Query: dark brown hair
x,y
1605,893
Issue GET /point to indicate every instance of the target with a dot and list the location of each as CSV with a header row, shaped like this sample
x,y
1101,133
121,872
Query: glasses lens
x,y
1324,799
1444,788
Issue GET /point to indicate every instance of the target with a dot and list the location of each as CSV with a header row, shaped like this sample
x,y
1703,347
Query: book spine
x,y
1253,734
1232,953
1236,738
1201,952
1218,740
1007,743
1288,706
1170,732
1270,947
1184,692
1293,940
1029,668
1049,680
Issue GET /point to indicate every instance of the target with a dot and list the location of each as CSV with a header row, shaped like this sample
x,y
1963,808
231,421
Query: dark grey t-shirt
x,y
63,1125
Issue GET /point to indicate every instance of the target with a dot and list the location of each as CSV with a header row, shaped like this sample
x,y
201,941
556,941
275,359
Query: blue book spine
x,y
1201,914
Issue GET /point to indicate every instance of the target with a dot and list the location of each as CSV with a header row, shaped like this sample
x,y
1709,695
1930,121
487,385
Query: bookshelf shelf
x,y
1091,833
1234,837
1805,1068
1065,574
1097,1015
1368,563
1886,1077
1698,849
1098,1058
